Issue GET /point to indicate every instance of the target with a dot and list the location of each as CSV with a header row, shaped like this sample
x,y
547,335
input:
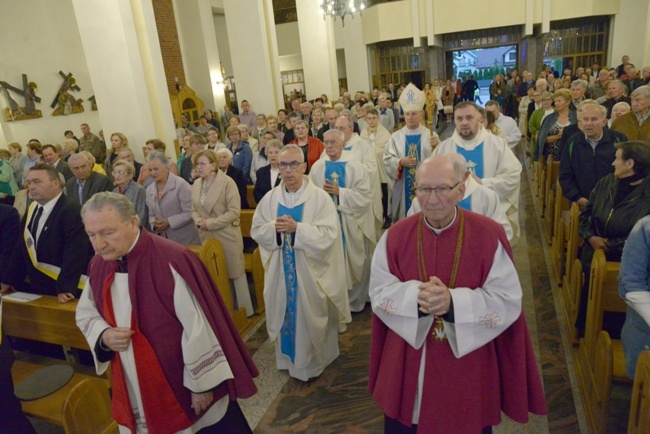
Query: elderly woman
x,y
620,108
70,147
17,161
536,119
118,142
550,132
123,173
311,147
616,203
282,121
272,123
268,176
216,207
261,159
8,184
245,137
153,145
169,199
241,151
316,121
224,157
260,127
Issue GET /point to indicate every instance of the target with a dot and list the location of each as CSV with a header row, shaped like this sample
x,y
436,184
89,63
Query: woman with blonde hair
x,y
216,208
17,160
118,142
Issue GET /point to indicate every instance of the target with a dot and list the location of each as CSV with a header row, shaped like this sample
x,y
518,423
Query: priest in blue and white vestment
x,y
297,228
489,159
346,181
405,150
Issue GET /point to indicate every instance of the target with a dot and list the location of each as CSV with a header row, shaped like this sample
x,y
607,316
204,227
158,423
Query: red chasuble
x,y
459,395
157,341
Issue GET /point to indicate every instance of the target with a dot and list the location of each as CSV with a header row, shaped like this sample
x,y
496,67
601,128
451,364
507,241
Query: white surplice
x,y
198,344
357,225
501,170
482,201
322,296
510,129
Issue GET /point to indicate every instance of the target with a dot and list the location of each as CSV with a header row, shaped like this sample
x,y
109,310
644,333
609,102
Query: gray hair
x,y
580,82
334,132
338,107
159,156
457,161
75,157
349,121
601,109
642,91
296,148
226,151
274,143
541,81
128,167
306,104
123,206
368,106
621,104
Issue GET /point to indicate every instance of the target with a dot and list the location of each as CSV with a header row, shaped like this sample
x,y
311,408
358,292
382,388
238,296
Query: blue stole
x,y
474,159
288,330
412,148
335,172
466,203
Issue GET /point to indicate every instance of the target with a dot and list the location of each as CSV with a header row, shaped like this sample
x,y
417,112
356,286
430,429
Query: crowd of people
x,y
358,201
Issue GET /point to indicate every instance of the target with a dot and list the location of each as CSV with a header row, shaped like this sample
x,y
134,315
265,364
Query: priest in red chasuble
x,y
152,310
450,347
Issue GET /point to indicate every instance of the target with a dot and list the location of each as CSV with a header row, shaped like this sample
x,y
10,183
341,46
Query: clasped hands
x,y
286,224
161,225
434,297
119,338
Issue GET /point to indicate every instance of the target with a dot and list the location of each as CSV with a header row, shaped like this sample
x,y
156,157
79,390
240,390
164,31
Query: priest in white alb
x,y
346,181
151,309
406,148
297,228
362,151
489,159
377,136
477,198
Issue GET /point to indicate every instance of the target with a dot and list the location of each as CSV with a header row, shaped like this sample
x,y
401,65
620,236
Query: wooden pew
x,y
573,277
252,203
46,320
603,297
245,223
212,255
574,242
595,382
258,280
550,193
639,422
560,229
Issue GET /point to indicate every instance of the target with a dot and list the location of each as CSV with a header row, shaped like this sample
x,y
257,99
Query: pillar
x,y
254,52
120,42
198,40
356,55
318,51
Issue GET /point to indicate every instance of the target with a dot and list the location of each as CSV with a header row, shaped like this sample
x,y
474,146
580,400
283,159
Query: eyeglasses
x,y
293,165
119,172
440,191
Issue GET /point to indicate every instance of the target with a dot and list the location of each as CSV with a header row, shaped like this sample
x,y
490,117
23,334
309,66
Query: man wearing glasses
x,y
489,159
448,325
297,228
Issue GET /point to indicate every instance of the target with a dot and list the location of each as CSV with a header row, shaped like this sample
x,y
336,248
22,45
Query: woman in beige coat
x,y
216,206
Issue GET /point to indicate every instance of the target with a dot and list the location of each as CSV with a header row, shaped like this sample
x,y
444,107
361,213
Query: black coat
x,y
9,235
238,176
263,184
63,243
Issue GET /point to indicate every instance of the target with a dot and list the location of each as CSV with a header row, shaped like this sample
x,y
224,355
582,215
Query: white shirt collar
x,y
439,231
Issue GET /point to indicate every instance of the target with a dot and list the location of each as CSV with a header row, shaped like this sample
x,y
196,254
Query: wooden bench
x,y
213,256
573,276
639,422
252,203
253,261
560,230
550,194
46,320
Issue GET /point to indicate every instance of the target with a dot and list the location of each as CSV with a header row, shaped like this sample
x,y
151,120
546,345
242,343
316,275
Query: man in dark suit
x,y
12,418
330,120
225,164
264,183
85,182
57,250
51,157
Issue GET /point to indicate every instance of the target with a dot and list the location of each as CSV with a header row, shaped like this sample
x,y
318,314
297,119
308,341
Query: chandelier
x,y
341,8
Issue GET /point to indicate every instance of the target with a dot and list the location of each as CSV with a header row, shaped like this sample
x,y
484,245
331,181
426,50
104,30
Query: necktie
x,y
33,225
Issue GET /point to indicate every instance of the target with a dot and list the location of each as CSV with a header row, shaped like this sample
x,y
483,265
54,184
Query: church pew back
x,y
551,195
639,422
